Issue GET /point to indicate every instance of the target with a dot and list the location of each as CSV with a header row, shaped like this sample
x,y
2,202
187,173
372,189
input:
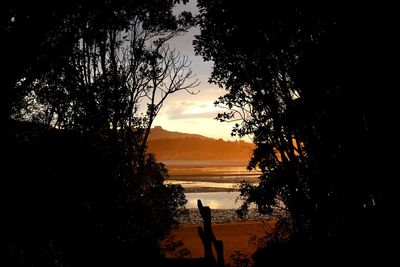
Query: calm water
x,y
215,200
202,184
201,177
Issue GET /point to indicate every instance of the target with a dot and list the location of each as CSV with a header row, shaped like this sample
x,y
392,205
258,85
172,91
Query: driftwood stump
x,y
208,238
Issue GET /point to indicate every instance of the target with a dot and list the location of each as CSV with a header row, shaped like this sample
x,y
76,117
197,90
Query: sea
x,y
215,183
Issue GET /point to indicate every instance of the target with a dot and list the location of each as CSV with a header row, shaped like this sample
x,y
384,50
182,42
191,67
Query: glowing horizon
x,y
194,114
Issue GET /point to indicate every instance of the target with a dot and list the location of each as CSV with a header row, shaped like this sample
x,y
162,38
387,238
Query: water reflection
x,y
215,200
200,176
196,184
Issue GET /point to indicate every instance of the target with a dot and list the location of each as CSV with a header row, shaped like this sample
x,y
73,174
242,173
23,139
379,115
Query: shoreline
x,y
214,184
220,216
185,163
208,189
231,178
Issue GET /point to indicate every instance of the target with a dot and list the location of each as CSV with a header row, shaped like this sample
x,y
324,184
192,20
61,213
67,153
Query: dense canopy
x,y
305,83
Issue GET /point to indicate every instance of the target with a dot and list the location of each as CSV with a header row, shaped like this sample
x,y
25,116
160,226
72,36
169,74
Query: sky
x,y
188,113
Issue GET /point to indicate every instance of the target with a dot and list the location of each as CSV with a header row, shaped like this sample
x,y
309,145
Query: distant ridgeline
x,y
168,145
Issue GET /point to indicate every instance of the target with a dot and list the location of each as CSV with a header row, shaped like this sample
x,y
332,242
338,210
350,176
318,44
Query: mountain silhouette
x,y
159,133
168,145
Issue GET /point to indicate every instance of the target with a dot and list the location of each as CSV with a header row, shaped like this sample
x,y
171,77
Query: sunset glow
x,y
194,113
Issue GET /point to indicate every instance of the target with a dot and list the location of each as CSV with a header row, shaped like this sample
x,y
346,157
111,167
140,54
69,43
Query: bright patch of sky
x,y
187,113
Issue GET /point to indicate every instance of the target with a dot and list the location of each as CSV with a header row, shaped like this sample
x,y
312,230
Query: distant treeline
x,y
193,148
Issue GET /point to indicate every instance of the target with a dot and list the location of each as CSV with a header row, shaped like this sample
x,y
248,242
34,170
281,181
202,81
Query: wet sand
x,y
236,234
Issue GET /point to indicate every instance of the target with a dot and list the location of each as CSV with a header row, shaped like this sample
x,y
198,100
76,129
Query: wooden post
x,y
208,238
219,247
205,233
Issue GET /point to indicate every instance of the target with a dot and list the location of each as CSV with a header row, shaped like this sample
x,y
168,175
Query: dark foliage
x,y
306,83
68,199
78,187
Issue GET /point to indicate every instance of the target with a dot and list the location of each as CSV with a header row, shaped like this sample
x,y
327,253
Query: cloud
x,y
187,103
183,110
183,116
194,113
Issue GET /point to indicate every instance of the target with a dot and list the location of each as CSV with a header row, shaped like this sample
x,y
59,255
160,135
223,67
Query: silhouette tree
x,y
113,69
80,187
301,81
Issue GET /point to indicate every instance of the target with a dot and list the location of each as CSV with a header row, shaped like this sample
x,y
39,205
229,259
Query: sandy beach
x,y
235,236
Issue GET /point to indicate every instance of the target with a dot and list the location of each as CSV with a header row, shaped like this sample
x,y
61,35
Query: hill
x,y
159,133
168,145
